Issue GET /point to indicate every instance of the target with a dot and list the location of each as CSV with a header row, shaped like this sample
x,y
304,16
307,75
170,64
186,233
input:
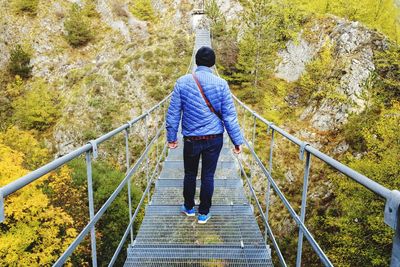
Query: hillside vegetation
x,y
70,72
326,71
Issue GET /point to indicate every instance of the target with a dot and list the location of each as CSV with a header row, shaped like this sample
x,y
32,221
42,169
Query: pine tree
x,y
77,27
20,62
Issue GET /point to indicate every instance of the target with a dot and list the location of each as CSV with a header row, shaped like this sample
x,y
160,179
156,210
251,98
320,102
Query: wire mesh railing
x,y
392,197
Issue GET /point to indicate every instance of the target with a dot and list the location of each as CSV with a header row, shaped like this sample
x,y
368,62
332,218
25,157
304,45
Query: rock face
x,y
294,59
132,26
230,8
353,44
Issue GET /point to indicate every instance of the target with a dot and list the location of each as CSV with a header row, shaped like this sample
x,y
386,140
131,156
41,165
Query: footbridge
x,y
239,233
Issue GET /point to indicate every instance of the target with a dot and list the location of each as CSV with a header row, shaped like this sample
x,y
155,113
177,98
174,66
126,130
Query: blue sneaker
x,y
189,213
202,219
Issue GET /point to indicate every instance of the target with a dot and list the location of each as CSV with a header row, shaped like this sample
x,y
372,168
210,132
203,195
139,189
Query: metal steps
x,y
230,238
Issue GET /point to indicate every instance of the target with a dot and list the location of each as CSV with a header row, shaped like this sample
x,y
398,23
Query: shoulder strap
x,y
205,97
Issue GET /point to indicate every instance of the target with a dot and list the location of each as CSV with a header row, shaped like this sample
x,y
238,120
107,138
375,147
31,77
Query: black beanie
x,y
205,56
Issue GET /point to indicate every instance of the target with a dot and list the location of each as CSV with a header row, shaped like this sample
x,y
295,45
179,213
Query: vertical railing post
x,y
244,122
303,201
164,110
127,155
254,148
392,218
2,212
147,154
268,193
91,206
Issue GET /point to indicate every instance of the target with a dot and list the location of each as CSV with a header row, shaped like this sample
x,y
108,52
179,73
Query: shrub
x,y
20,62
37,109
143,10
77,27
26,6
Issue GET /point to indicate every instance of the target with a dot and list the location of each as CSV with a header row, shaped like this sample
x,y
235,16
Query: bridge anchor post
x,y
392,218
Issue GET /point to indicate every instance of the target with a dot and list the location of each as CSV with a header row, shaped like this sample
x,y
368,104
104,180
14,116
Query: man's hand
x,y
237,149
173,145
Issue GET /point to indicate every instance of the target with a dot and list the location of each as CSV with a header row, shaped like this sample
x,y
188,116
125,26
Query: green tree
x,y
19,63
217,18
268,26
255,48
77,27
114,222
39,108
388,73
356,219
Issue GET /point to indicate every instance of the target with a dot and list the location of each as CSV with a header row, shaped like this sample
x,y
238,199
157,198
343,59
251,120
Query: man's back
x,y
197,119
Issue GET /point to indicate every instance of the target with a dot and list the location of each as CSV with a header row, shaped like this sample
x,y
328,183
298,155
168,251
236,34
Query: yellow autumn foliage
x,y
35,233
20,140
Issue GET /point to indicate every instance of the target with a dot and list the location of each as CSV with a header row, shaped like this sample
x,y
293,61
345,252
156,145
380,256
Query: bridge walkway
x,y
169,238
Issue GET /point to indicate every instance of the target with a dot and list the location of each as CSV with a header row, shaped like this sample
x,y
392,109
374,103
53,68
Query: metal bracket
x,y
269,127
94,148
129,126
392,210
2,213
303,149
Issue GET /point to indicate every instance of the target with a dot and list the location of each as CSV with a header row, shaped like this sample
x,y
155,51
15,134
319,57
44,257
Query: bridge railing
x,y
90,151
306,151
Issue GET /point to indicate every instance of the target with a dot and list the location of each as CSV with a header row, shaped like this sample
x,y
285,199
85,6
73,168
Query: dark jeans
x,y
209,151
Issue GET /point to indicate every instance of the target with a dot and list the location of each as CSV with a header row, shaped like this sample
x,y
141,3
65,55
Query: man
x,y
207,107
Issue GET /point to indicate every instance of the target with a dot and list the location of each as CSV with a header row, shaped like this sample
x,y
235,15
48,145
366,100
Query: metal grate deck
x,y
230,238
198,256
220,173
222,196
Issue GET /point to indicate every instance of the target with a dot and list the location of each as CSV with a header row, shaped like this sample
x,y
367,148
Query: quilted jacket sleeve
x,y
174,115
230,117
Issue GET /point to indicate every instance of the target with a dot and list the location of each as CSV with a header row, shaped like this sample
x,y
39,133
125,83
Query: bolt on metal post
x,y
127,155
303,207
91,206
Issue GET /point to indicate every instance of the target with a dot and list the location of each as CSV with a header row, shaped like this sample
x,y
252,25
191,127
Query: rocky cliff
x,y
130,63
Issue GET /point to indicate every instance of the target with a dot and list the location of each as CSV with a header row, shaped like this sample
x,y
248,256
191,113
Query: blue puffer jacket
x,y
197,119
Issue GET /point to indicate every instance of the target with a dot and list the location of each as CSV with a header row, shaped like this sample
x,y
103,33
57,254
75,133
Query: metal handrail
x,y
356,176
108,202
91,151
40,172
392,197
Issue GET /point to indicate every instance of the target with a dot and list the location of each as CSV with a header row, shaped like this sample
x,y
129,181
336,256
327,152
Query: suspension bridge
x,y
233,236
